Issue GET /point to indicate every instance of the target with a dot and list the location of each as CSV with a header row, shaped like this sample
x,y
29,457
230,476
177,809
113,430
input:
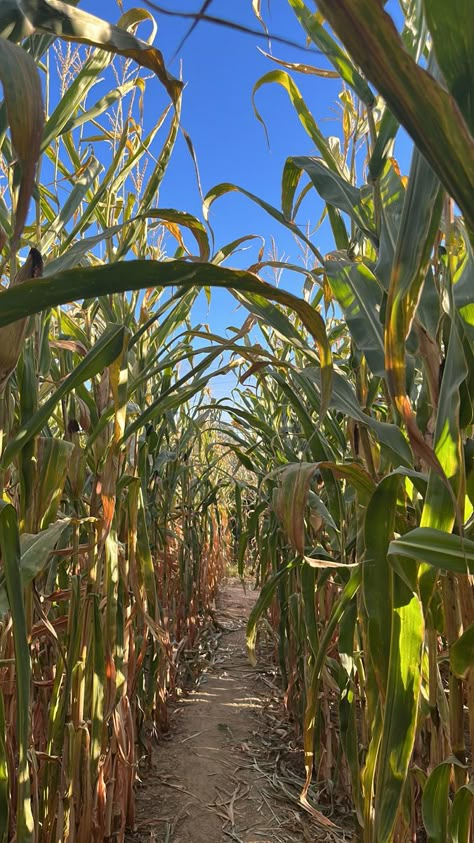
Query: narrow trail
x,y
217,778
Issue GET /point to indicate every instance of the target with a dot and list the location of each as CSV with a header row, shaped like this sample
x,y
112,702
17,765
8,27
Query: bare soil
x,y
229,770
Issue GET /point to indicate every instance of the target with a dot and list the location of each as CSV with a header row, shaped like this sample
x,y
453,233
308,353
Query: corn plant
x,y
358,436
365,531
120,552
113,524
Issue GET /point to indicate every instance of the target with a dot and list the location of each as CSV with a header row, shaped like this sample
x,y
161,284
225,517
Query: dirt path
x,y
216,779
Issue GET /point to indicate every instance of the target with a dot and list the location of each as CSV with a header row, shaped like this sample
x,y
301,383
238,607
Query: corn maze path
x,y
227,771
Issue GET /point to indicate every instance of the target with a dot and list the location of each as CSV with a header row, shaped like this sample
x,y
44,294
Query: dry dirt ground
x,y
229,770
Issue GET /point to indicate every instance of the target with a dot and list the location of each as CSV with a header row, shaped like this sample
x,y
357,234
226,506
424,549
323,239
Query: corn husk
x,y
12,336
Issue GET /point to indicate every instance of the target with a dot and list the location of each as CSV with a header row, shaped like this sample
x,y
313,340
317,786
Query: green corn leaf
x,y
452,31
106,349
134,275
10,548
392,196
98,686
459,822
265,598
383,145
306,118
153,183
102,105
423,106
243,458
36,550
181,218
461,653
226,187
308,590
401,707
64,117
175,396
317,504
360,297
317,445
439,506
348,715
436,547
230,248
416,234
414,36
376,576
116,173
4,790
53,459
303,391
145,558
333,52
335,190
344,400
463,281
369,768
82,184
435,803
176,317
280,322
73,256
73,96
